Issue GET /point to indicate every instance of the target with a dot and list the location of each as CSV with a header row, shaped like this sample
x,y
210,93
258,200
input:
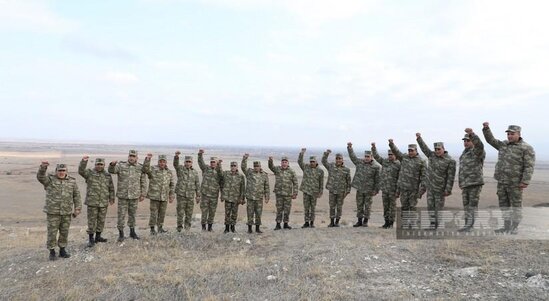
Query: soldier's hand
x,y
468,130
446,193
141,198
177,153
294,196
111,202
397,195
349,144
44,164
374,193
319,195
172,198
418,135
246,155
76,212
329,151
391,140
113,163
197,199
242,202
149,156
522,186
266,200
373,144
270,158
219,161
222,200
85,158
485,124
303,150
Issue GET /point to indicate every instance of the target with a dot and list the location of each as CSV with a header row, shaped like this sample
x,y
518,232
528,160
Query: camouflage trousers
x,y
96,219
435,203
208,205
470,196
283,208
231,212
389,205
128,206
363,204
58,224
336,204
185,208
510,202
408,203
254,209
158,213
309,205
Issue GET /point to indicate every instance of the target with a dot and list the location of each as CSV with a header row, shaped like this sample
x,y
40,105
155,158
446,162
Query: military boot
x,y
52,254
365,223
226,228
233,228
286,226
312,224
358,223
133,234
331,223
514,228
386,224
277,226
336,222
63,253
120,235
98,237
257,230
153,232
91,241
505,229
390,225
203,227
161,230
210,227
305,225
250,229
179,228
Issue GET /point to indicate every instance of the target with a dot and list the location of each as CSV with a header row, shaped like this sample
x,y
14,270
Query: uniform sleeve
x,y
422,186
242,187
42,177
143,181
451,176
424,148
376,155
295,183
300,161
111,188
175,162
114,169
320,180
352,155
377,179
244,165
495,143
201,163
266,188
82,169
147,167
325,161
77,200
396,151
172,186
272,167
348,182
478,147
529,162
197,184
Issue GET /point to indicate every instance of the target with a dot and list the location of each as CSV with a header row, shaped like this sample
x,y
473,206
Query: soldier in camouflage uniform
x,y
338,185
62,195
514,169
312,185
161,191
211,184
389,179
187,190
99,194
441,172
257,190
285,190
131,188
366,182
232,193
470,178
410,184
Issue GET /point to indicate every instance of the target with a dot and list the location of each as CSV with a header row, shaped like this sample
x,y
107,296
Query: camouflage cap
x,y
61,166
284,158
213,159
312,159
412,146
234,163
257,163
367,153
188,158
100,161
438,145
339,155
466,137
514,128
162,157
132,152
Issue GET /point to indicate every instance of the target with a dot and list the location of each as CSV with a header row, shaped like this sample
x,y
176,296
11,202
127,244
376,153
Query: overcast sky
x,y
282,72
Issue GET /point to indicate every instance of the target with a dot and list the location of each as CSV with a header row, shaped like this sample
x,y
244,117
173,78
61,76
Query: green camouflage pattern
x,y
309,206
161,182
441,171
128,206
185,207
234,187
285,180
208,206
254,209
470,196
389,205
188,182
96,219
313,178
62,195
100,187
363,204
389,172
58,223
510,202
339,177
471,163
367,174
132,182
283,208
158,212
257,183
335,201
231,213
211,179
411,177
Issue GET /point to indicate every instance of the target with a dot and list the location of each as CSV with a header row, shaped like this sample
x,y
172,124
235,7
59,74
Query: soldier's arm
x,y
77,201
422,185
242,187
143,183
82,169
320,181
111,189
352,155
42,177
172,186
295,187
197,184
424,148
396,151
376,155
300,160
266,187
325,160
348,183
201,163
147,167
176,161
377,180
495,143
244,164
529,162
478,146
271,166
451,176
113,168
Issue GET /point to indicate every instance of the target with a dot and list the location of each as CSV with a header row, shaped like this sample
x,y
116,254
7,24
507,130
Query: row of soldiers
x,y
399,175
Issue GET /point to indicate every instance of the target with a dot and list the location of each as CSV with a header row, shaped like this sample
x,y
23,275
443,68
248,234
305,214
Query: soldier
x,y
312,185
99,194
441,172
514,169
338,185
389,178
232,193
131,188
471,179
62,195
211,184
410,184
187,190
366,182
257,190
285,190
161,190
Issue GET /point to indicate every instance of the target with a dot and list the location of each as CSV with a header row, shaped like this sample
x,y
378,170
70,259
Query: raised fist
x,y
349,144
468,130
270,158
44,164
418,135
149,156
177,153
329,151
373,144
200,151
85,158
246,155
391,140
303,150
485,124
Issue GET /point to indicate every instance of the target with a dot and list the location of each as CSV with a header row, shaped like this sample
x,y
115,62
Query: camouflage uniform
x,y
338,185
470,177
389,178
312,185
100,189
232,193
61,196
411,182
211,184
257,189
161,188
131,185
286,187
366,182
515,165
187,189
441,172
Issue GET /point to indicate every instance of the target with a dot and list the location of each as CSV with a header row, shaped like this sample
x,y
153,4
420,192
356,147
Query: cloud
x,y
33,16
121,78
99,49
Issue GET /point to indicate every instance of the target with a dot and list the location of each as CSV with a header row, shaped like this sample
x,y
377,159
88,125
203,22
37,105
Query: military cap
x,y
233,163
389,152
312,158
257,163
188,158
61,166
213,159
132,152
438,145
284,158
100,161
412,146
514,128
339,155
466,137
367,153
162,157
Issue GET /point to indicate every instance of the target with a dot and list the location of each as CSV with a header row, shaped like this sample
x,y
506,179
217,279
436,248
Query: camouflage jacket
x,y
389,172
515,160
161,183
285,180
411,177
234,187
367,175
211,178
100,188
188,183
313,178
257,186
339,177
132,182
471,163
62,195
441,171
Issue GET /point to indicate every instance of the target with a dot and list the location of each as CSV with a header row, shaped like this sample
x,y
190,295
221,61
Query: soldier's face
x,y
391,157
257,168
61,173
313,163
188,163
339,161
284,164
162,164
467,143
412,153
234,168
213,164
99,167
513,136
132,159
368,158
439,151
